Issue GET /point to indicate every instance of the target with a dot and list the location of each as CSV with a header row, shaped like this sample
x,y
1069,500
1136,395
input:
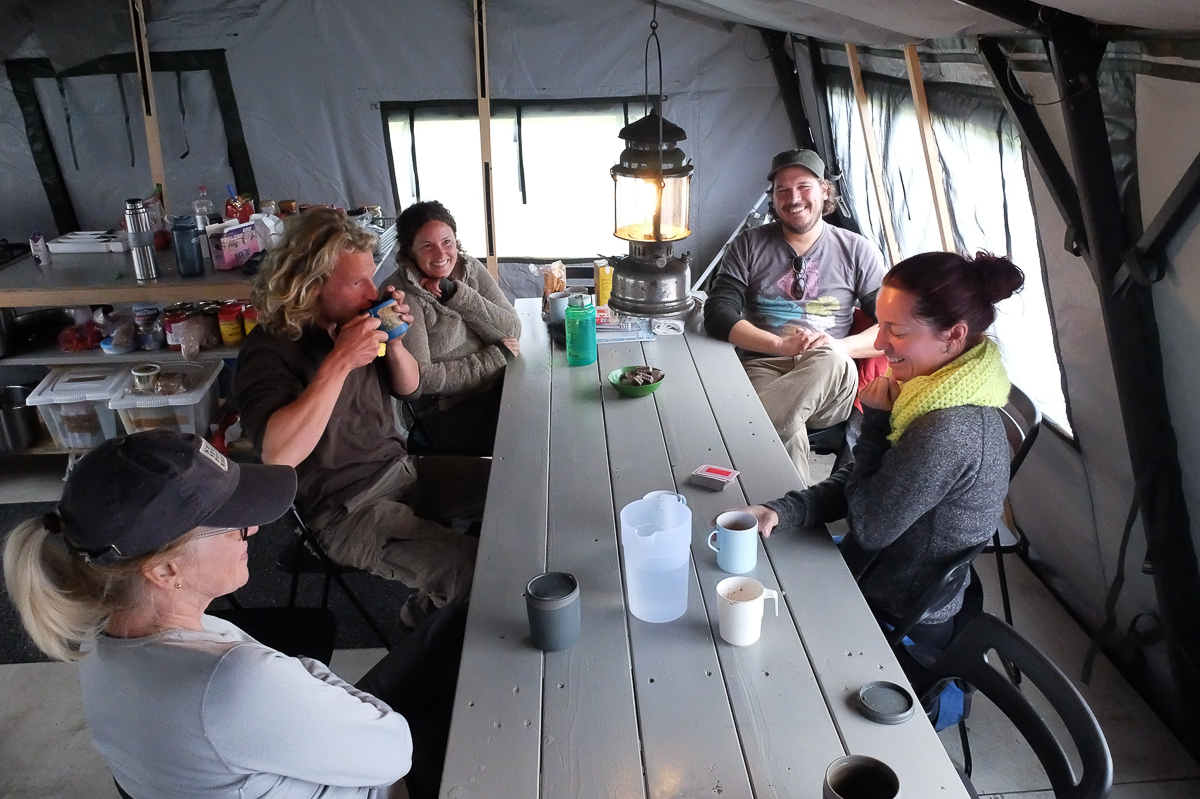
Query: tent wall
x,y
1072,499
308,78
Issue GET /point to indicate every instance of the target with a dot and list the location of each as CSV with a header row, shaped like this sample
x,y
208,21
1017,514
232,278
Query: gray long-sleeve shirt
x,y
193,714
918,505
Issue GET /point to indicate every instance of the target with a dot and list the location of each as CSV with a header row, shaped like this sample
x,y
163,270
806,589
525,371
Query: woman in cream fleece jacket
x,y
463,333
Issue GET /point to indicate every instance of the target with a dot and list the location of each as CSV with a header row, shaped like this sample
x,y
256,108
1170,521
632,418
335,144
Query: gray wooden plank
x,y
589,731
845,645
787,736
689,737
495,735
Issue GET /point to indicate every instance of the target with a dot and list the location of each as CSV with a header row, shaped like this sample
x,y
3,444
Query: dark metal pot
x,y
18,422
36,328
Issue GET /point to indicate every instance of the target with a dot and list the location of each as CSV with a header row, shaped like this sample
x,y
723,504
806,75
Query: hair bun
x,y
1001,277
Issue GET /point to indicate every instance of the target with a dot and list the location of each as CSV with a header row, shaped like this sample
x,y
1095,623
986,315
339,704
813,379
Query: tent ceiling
x,y
906,21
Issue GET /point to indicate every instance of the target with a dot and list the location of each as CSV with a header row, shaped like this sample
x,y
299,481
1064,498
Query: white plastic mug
x,y
740,609
735,541
860,777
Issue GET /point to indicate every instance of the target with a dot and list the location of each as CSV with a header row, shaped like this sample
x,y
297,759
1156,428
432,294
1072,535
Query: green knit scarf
x,y
976,377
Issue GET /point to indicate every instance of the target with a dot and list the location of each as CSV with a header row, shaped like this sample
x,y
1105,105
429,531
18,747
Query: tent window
x,y
553,194
989,200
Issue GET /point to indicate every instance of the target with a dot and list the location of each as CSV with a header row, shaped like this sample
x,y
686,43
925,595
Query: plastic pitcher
x,y
656,538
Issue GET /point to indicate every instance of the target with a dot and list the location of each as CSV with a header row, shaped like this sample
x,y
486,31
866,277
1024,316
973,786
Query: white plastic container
x,y
73,401
656,537
188,412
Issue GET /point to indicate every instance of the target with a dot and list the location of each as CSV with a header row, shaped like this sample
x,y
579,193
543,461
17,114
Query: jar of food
x,y
172,318
150,335
144,312
249,318
230,318
145,377
209,313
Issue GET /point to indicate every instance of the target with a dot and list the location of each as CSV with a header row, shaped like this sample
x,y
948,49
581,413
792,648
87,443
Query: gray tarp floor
x,y
45,750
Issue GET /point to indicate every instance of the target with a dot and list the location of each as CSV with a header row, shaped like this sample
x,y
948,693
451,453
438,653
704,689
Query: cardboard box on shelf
x,y
234,245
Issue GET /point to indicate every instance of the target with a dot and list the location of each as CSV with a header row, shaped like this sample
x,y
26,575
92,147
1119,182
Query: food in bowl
x,y
641,376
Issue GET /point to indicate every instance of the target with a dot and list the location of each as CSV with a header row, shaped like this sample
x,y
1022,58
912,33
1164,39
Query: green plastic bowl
x,y
614,377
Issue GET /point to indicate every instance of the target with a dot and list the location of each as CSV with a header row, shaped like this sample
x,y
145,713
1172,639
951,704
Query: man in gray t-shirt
x,y
785,296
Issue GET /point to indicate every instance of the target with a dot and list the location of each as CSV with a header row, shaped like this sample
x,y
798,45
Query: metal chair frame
x,y
333,573
966,659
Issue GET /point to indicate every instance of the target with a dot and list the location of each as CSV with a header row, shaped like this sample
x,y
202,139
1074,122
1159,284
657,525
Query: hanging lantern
x,y
653,182
650,210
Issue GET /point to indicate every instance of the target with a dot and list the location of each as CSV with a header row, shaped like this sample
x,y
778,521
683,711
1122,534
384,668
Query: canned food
x,y
230,318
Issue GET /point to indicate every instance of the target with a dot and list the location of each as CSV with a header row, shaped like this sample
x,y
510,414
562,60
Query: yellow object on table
x,y
604,278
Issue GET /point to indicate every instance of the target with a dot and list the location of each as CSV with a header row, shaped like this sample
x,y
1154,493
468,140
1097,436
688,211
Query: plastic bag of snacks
x,y
554,278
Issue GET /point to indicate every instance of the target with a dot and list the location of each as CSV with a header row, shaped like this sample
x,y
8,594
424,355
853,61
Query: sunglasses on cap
x,y
208,533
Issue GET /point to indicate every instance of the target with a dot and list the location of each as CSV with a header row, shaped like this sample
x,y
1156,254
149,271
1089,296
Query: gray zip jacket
x,y
916,506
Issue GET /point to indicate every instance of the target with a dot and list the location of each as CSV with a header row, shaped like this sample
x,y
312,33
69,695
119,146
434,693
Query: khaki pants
x,y
388,531
814,390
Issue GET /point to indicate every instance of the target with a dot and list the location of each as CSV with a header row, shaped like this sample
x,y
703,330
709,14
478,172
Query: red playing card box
x,y
714,477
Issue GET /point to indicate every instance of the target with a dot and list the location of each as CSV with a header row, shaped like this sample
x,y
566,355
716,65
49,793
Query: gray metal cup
x,y
552,602
860,777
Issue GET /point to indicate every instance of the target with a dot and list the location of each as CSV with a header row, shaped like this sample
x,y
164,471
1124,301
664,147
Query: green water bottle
x,y
581,330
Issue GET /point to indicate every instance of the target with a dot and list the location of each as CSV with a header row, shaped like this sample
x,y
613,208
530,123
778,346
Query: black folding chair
x,y
306,555
940,591
943,588
966,659
1022,421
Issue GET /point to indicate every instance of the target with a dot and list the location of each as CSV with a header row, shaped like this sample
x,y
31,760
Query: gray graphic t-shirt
x,y
817,291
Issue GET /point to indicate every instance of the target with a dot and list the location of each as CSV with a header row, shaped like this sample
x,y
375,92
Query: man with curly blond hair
x,y
314,384
785,296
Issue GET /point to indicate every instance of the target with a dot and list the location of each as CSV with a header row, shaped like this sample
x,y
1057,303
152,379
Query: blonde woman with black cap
x,y
150,529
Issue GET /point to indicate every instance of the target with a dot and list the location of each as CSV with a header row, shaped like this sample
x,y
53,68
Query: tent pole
x,y
933,161
141,51
485,133
864,117
1133,341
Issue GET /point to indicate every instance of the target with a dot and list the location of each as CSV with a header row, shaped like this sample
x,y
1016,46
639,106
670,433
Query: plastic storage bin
x,y
73,401
188,412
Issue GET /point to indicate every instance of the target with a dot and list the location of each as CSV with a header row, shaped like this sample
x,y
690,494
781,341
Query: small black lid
x,y
885,702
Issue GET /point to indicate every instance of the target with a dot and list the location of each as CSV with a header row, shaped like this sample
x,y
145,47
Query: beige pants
x,y
813,391
388,530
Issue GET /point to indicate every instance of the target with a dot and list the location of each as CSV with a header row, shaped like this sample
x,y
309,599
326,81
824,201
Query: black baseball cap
x,y
805,158
133,495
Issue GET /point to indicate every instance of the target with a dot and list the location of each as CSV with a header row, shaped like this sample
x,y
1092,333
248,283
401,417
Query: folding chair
x,y
305,554
940,591
966,659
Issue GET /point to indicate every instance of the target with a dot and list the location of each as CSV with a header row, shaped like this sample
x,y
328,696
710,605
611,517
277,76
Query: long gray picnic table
x,y
636,709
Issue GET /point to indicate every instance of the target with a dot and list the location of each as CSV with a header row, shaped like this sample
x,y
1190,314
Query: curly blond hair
x,y
292,277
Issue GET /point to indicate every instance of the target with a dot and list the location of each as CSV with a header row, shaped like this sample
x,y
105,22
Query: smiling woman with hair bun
x,y
930,469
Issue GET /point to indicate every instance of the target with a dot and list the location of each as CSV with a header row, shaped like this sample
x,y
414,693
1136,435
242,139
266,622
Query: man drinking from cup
x,y
315,393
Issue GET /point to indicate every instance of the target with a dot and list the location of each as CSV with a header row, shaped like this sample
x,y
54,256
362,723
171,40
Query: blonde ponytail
x,y
64,601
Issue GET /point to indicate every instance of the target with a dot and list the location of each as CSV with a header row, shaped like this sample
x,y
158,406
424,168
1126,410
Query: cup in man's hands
x,y
390,322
